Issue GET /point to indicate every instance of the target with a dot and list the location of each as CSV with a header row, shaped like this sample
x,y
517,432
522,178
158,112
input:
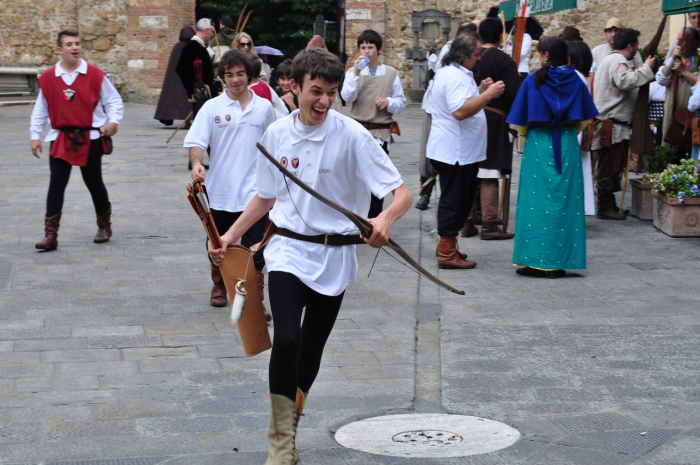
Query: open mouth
x,y
319,112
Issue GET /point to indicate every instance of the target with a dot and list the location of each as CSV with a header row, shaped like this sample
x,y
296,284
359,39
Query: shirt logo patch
x,y
284,162
295,163
68,95
228,117
217,120
324,171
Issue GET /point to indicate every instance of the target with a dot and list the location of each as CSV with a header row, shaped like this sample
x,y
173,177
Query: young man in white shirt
x,y
339,159
457,141
375,93
231,124
76,99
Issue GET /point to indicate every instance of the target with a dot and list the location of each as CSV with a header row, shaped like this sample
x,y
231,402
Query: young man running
x,y
231,124
339,159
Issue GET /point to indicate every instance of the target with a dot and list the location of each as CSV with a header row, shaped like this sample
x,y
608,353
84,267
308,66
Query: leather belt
x,y
496,110
334,240
370,126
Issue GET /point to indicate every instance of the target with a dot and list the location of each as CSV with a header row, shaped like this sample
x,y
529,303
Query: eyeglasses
x,y
244,44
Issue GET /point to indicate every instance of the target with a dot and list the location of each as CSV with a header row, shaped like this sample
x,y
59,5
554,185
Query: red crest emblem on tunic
x,y
217,120
283,161
68,95
228,117
295,163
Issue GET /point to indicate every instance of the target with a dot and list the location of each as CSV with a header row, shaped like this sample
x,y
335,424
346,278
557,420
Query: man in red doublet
x,y
77,100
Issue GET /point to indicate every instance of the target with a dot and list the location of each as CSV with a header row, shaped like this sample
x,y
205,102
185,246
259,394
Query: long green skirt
x,y
550,226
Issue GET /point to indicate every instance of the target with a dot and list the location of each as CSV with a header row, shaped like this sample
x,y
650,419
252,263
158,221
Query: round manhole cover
x,y
430,435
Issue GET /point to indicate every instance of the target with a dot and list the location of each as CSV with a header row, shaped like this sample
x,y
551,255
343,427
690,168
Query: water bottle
x,y
363,63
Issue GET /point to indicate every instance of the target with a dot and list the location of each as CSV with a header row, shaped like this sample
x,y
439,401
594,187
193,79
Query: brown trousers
x,y
611,165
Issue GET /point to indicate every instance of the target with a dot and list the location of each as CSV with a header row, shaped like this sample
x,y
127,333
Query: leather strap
x,y
496,110
335,240
370,126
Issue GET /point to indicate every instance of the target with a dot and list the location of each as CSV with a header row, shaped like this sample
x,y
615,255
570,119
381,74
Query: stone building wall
x,y
392,19
128,39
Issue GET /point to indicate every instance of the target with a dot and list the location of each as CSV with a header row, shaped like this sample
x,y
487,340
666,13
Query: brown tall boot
x,y
261,287
491,232
218,291
448,255
461,255
282,431
104,227
50,241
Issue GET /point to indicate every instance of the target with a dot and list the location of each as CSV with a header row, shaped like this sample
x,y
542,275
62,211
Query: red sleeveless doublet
x,y
70,111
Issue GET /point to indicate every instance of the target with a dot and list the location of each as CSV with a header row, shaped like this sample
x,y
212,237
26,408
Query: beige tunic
x,y
365,110
615,94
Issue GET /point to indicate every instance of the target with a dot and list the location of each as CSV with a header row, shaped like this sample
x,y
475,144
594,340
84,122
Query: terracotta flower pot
x,y
642,200
677,219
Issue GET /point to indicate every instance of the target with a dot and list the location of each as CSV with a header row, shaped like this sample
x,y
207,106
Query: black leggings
x,y
92,176
297,347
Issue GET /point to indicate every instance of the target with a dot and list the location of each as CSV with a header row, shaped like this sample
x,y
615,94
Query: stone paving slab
x,y
111,355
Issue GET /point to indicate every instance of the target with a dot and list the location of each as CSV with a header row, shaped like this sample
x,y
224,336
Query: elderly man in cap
x,y
195,66
601,51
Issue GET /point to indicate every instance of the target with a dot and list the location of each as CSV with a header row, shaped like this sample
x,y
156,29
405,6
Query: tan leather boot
x,y
448,255
50,241
261,286
218,291
301,401
104,227
282,431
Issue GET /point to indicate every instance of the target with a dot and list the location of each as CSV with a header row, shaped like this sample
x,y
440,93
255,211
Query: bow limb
x,y
363,225
411,261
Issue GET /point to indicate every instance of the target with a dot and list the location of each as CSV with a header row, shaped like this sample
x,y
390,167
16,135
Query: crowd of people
x,y
574,114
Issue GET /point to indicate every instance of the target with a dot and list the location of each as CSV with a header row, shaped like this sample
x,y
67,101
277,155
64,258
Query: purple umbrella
x,y
265,50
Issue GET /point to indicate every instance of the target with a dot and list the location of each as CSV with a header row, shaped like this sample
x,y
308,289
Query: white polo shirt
x,y
453,141
340,160
232,134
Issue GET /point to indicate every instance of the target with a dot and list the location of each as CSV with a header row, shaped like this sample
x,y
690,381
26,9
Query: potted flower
x,y
642,199
677,200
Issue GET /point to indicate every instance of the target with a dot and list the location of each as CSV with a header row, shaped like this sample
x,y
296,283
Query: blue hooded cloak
x,y
563,97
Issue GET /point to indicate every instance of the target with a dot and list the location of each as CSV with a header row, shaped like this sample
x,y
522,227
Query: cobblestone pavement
x,y
110,353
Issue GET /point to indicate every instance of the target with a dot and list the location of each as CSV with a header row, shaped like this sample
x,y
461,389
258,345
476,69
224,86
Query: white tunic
x,y
232,134
340,160
453,141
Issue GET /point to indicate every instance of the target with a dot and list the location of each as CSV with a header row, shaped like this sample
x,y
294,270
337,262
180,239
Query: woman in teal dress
x,y
552,106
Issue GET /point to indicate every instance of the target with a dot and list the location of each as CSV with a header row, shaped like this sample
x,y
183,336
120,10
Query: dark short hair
x,y
227,22
255,63
462,48
491,30
370,36
466,27
232,58
70,32
580,57
318,63
284,68
625,37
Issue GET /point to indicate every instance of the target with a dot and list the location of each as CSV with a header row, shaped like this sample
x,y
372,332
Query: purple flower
x,y
685,172
680,200
658,186
681,194
674,177
697,168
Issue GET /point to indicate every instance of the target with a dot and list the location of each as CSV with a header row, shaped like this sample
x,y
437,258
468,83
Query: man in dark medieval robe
x,y
173,103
